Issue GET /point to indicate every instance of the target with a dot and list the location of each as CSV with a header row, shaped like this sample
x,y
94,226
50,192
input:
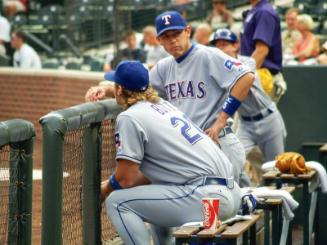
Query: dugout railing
x,y
78,151
16,165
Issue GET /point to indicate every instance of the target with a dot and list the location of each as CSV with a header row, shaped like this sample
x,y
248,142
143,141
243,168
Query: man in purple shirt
x,y
261,39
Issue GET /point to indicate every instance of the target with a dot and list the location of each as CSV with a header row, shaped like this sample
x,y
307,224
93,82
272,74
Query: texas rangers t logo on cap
x,y
166,18
169,20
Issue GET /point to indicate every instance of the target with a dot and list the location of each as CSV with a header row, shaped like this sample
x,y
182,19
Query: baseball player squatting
x,y
165,164
260,121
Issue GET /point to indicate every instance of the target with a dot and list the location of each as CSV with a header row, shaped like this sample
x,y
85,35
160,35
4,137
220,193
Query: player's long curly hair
x,y
132,97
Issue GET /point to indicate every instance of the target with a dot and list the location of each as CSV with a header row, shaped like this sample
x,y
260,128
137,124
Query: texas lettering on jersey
x,y
185,90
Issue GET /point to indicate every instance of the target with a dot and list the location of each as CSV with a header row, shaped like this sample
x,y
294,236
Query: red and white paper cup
x,y
210,207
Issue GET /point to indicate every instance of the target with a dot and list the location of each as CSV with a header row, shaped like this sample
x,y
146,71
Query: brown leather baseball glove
x,y
291,162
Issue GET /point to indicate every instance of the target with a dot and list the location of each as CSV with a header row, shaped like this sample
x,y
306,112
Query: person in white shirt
x,y
4,34
25,56
154,51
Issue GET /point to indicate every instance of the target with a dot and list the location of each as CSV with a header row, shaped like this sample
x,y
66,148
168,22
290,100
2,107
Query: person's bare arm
x,y
100,92
107,67
239,91
313,47
127,174
260,53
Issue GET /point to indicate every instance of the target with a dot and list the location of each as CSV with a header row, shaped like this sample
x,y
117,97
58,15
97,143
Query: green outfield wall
x,y
304,106
304,109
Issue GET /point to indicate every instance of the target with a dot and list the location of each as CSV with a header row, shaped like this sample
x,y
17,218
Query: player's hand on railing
x,y
104,190
95,93
249,204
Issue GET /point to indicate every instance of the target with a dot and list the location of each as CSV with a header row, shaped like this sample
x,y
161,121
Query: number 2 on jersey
x,y
185,129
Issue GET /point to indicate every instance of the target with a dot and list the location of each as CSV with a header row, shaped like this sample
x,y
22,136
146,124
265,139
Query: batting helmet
x,y
224,34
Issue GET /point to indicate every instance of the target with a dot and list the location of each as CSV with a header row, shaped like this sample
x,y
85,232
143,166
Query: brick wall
x,y
29,94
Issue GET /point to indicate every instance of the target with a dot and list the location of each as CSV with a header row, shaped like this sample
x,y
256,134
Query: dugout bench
x,y
225,233
276,178
271,208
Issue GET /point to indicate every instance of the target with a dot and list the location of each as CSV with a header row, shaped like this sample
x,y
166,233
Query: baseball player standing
x,y
196,79
260,121
165,164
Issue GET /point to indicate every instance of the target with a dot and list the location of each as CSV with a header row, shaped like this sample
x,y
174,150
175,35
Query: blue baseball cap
x,y
224,34
169,20
132,75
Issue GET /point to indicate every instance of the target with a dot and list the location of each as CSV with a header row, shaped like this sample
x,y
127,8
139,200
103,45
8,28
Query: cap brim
x,y
110,76
171,28
213,42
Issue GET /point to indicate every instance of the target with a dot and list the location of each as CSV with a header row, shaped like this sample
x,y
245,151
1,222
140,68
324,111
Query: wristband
x,y
231,105
114,183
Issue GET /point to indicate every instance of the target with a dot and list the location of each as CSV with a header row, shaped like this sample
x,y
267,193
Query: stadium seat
x,y
320,10
50,65
130,3
296,2
96,65
4,61
84,12
50,15
108,11
324,28
73,19
303,7
73,66
19,20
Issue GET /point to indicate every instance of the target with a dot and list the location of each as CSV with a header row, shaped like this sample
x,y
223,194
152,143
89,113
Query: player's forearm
x,y
129,181
221,121
141,180
241,88
125,183
239,92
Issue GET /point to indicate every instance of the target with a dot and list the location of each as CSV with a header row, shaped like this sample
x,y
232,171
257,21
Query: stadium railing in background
x,y
82,24
16,165
78,151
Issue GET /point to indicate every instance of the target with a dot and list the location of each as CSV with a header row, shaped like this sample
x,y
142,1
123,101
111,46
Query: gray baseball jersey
x,y
256,99
197,84
175,155
178,157
260,121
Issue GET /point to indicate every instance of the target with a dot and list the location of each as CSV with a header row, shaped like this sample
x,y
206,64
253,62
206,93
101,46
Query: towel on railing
x,y
268,166
319,180
321,177
288,202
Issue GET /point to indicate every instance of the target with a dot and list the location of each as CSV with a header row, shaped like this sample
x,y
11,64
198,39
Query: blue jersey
x,y
263,24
